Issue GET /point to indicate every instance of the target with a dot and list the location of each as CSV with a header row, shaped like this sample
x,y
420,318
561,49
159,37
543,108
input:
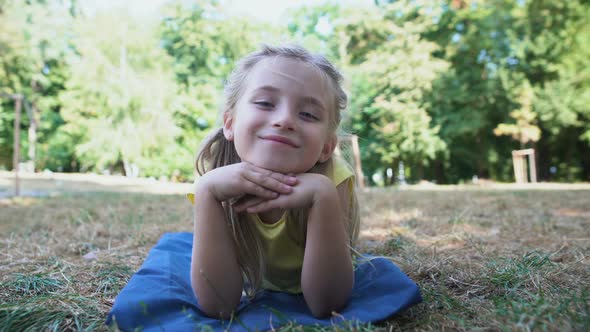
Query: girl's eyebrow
x,y
305,100
313,101
267,88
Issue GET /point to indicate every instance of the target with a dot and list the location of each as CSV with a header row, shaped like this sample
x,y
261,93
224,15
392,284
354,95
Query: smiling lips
x,y
280,139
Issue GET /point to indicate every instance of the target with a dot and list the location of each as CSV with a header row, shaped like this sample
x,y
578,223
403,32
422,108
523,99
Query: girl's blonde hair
x,y
217,151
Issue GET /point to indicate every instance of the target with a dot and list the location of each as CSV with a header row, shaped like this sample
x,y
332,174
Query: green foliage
x,y
524,130
449,88
555,57
314,28
474,96
119,99
33,44
204,49
393,79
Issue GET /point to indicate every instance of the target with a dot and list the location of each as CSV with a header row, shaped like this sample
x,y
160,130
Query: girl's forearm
x,y
215,274
327,277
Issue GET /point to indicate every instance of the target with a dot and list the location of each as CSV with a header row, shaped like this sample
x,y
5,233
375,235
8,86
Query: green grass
x,y
484,260
55,312
538,312
32,284
111,278
514,274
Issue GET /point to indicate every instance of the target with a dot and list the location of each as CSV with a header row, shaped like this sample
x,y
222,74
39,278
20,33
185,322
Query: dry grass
x,y
488,260
484,259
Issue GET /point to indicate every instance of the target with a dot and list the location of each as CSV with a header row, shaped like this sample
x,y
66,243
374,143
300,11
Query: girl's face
x,y
282,120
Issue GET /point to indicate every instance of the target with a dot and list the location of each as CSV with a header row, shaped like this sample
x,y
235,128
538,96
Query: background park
x,y
107,105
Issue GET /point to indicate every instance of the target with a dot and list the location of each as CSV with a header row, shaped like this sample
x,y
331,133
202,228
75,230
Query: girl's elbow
x,y
213,306
323,310
324,305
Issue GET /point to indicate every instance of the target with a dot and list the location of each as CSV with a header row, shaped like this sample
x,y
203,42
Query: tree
x,y
314,28
33,43
389,85
431,83
204,46
119,100
474,96
554,55
524,130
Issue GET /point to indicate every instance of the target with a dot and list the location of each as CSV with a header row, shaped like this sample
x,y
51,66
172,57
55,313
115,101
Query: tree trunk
x,y
439,172
127,167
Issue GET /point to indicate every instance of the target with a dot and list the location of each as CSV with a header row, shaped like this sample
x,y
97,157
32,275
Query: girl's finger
x,y
289,179
286,179
271,180
242,199
265,205
242,205
254,189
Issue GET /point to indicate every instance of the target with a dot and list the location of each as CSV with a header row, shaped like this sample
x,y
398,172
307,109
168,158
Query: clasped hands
x,y
253,189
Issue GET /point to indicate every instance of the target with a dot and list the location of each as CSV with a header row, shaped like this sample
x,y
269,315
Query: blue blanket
x,y
159,297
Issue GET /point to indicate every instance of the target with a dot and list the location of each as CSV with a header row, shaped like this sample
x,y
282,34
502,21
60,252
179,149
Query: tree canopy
x,y
446,87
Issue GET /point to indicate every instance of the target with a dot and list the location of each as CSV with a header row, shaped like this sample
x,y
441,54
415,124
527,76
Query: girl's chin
x,y
281,168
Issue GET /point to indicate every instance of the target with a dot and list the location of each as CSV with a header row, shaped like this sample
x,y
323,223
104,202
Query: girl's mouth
x,y
280,139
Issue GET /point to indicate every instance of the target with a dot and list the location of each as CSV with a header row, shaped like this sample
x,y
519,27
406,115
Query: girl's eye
x,y
264,104
309,116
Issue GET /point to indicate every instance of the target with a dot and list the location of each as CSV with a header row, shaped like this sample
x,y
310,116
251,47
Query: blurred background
x,y
440,91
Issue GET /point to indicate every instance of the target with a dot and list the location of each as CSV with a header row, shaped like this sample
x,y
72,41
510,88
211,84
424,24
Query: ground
x,y
487,257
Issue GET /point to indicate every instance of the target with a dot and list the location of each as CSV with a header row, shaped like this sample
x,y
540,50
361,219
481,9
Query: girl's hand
x,y
237,180
304,194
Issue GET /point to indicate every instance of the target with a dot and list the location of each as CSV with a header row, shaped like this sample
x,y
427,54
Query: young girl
x,y
274,208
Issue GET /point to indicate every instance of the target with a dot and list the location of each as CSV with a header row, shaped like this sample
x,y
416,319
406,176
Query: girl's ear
x,y
328,148
228,126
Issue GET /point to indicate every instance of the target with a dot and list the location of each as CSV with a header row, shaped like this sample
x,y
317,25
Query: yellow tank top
x,y
282,243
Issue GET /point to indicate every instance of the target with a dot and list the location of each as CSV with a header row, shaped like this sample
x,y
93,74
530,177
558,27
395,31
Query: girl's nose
x,y
284,118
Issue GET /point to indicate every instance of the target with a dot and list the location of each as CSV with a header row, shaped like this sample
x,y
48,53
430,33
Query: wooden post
x,y
523,169
354,146
532,166
516,166
519,159
16,145
360,178
31,113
